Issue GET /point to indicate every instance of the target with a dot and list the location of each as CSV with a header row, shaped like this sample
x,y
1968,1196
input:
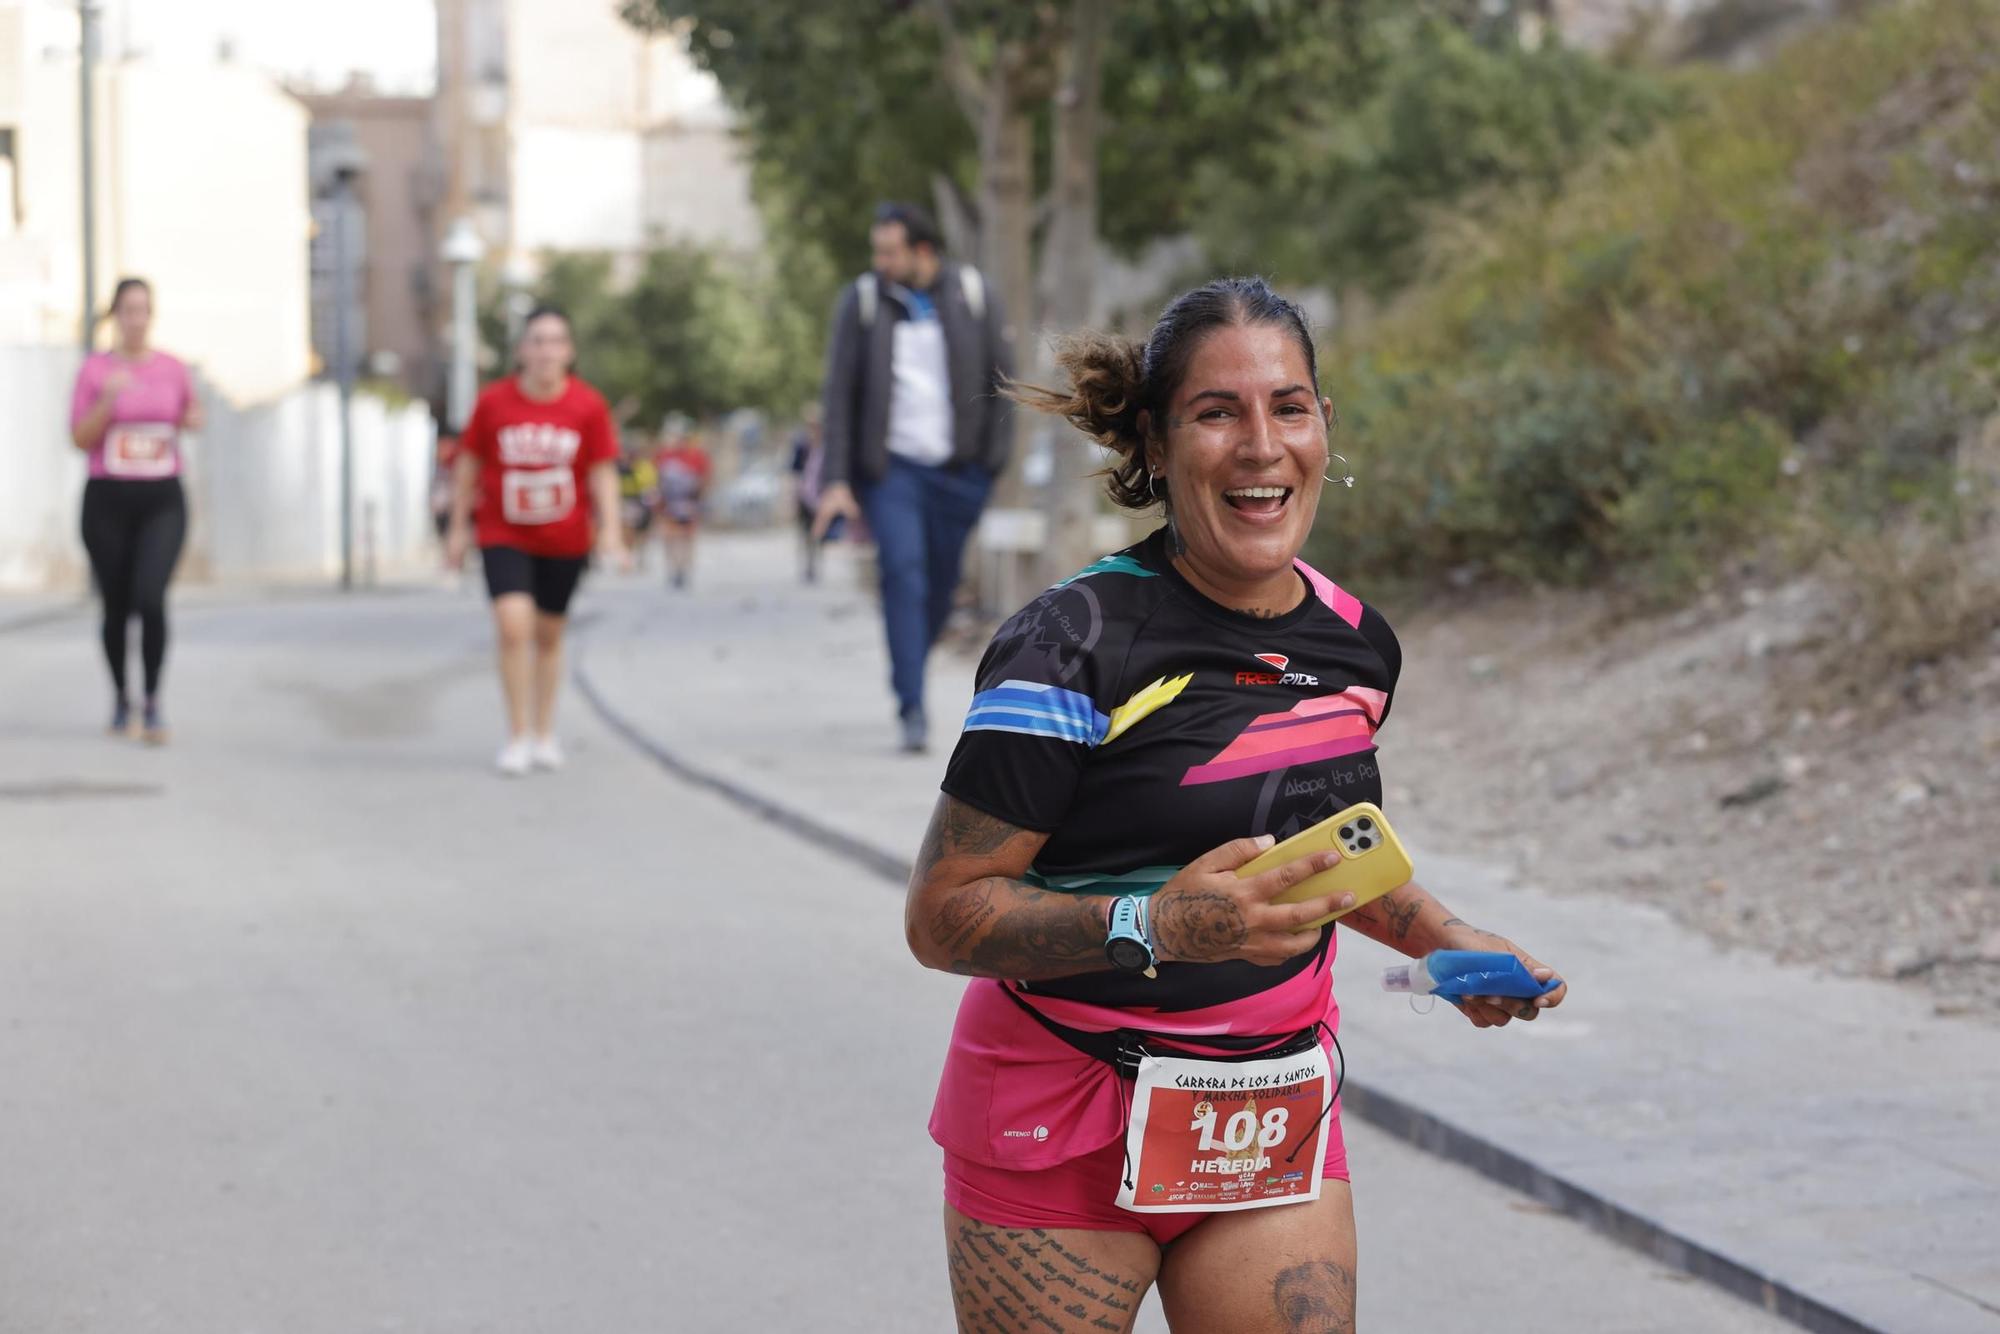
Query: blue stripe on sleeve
x,y
1032,709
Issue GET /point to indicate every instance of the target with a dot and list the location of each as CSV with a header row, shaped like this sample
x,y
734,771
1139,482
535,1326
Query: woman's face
x,y
133,314
546,350
1245,453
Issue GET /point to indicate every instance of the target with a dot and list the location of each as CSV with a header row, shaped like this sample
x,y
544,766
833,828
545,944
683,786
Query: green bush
x,y
1450,118
1787,298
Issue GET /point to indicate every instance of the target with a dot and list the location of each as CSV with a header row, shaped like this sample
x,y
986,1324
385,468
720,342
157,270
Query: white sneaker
x,y
514,758
546,752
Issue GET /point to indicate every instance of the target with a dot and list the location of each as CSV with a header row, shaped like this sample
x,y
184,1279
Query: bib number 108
x,y
1240,1130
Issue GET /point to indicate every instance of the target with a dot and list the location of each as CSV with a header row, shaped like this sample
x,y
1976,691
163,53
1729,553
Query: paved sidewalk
x,y
22,611
1819,1145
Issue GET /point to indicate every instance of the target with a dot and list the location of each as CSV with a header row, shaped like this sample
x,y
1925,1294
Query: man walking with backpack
x,y
914,431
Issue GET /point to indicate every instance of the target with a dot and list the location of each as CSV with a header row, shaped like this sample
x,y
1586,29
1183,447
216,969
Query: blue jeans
x,y
921,517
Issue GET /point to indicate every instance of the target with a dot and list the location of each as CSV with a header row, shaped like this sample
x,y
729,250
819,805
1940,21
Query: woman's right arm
x,y
464,485
92,405
970,912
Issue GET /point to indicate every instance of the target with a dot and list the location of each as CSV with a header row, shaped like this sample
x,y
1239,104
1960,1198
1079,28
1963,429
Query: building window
x,y
10,180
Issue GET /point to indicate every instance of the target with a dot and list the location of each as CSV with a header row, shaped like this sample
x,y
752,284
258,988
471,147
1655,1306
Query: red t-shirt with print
x,y
535,461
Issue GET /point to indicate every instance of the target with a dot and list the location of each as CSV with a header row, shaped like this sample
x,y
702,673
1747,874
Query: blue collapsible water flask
x,y
1456,974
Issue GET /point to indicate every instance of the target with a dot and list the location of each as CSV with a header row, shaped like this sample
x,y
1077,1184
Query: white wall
x,y
41,474
201,188
697,183
209,202
263,484
264,489
616,138
578,189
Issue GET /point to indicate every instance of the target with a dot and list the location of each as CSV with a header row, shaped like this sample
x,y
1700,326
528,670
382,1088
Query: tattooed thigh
x,y
1009,1280
1316,1297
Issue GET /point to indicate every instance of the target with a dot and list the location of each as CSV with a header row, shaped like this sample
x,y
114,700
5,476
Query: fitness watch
x,y
1128,943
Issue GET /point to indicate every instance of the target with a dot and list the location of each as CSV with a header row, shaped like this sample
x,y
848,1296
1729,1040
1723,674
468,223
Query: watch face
x,y
1127,954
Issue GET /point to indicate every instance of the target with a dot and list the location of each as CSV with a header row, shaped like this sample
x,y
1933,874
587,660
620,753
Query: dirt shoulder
x,y
1685,760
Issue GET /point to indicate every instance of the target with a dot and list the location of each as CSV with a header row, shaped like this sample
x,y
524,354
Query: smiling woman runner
x,y
127,412
1139,732
538,452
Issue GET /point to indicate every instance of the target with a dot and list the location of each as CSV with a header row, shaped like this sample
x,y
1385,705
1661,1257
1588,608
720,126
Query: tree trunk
x,y
1006,230
1069,265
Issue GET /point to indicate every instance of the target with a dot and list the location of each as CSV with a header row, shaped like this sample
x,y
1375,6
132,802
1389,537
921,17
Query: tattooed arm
x,y
1409,919
969,911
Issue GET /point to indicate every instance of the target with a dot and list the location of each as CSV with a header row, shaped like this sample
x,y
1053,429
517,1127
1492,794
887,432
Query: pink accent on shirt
x,y
1345,605
158,395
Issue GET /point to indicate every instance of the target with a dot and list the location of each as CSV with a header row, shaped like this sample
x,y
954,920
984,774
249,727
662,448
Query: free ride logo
x,y
1278,677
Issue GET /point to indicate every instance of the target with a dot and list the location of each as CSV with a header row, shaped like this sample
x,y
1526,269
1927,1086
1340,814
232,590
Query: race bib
x,y
141,449
1214,1136
541,495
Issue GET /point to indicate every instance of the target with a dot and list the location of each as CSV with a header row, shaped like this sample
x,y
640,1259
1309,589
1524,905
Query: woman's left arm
x,y
610,528
193,418
1411,920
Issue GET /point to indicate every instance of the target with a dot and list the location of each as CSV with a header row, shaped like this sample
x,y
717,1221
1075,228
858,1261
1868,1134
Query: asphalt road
x,y
309,1023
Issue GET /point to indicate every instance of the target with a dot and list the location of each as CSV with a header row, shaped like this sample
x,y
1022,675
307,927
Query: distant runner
x,y
683,469
127,412
538,453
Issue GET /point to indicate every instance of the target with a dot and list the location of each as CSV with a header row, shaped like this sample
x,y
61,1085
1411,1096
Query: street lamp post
x,y
345,171
87,12
462,250
519,279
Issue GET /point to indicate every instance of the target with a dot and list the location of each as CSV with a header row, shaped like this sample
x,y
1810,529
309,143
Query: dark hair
x,y
1112,379
544,309
118,293
918,226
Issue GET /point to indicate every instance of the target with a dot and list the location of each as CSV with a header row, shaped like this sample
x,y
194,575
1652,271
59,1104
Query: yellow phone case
x,y
1372,860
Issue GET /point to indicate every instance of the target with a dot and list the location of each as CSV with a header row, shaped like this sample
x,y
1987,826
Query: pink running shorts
x,y
1079,1193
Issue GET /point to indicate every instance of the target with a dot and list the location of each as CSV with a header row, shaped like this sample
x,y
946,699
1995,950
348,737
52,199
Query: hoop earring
x,y
1346,478
1175,542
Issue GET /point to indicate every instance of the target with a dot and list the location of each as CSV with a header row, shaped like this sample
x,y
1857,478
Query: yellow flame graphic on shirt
x,y
1144,701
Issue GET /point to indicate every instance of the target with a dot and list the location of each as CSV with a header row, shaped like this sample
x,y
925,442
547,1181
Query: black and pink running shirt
x,y
1140,724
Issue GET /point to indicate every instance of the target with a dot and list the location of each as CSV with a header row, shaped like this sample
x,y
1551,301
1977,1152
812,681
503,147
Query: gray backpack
x,y
868,294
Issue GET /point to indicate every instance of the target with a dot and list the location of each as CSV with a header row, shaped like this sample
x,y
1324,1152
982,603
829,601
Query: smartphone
x,y
1372,861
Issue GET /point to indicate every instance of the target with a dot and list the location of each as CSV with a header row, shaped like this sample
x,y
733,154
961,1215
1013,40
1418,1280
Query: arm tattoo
x,y
1316,1297
1029,933
971,830
1475,930
1402,914
1199,927
992,925
963,914
961,830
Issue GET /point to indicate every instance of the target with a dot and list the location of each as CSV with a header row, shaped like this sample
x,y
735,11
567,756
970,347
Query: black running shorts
x,y
551,580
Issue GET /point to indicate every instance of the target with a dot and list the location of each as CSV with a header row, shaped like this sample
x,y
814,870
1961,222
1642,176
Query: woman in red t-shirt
x,y
538,453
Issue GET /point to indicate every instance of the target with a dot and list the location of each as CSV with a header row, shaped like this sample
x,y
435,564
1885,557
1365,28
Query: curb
x,y
46,616
1408,1122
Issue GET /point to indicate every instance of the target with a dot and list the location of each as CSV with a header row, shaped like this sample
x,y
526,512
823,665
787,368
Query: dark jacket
x,y
855,431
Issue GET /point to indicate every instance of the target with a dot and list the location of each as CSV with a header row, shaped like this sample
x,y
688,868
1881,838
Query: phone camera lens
x,y
1364,824
1347,831
1364,843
